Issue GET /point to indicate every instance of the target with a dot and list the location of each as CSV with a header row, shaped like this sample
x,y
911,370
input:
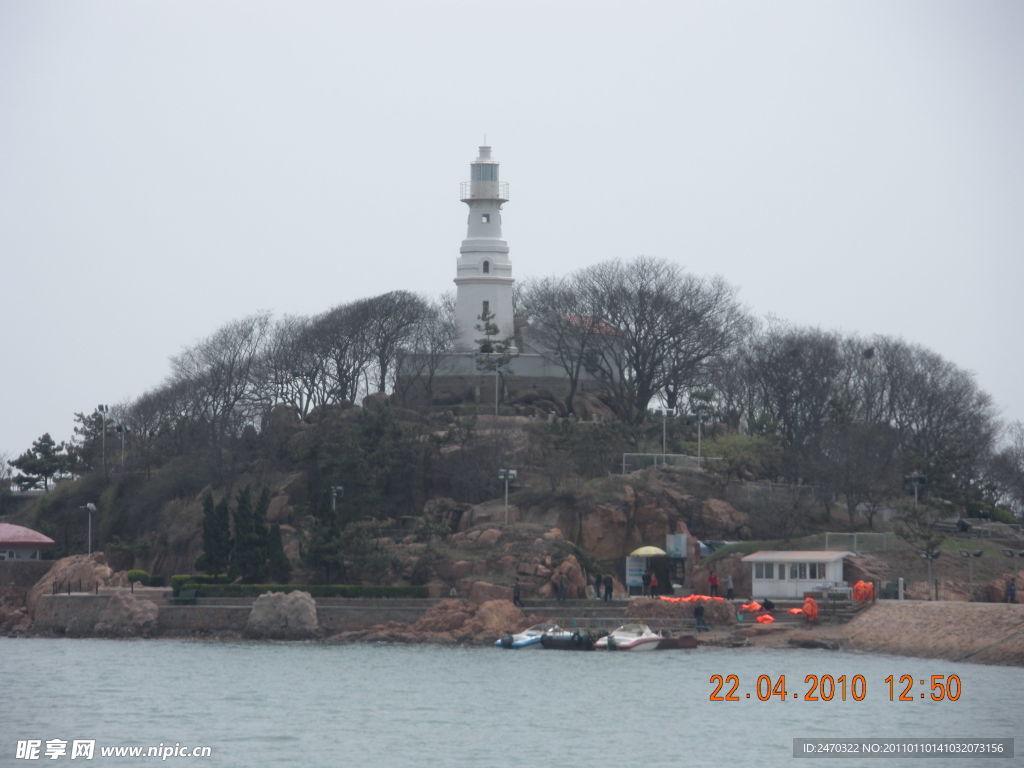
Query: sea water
x,y
309,704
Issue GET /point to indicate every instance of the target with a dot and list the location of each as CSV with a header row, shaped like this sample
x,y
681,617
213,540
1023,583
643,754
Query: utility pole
x,y
506,475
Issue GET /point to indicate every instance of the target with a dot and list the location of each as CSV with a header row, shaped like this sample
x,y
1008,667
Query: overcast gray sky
x,y
166,167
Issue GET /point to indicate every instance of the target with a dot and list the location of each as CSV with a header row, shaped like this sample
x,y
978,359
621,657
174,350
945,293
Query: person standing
x,y
597,585
646,580
698,615
563,588
607,587
713,584
517,593
729,593
1011,591
653,587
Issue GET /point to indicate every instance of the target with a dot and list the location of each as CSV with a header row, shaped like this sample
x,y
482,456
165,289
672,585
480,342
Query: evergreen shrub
x,y
179,580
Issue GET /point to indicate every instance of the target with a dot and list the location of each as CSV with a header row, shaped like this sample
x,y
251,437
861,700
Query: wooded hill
x,y
269,404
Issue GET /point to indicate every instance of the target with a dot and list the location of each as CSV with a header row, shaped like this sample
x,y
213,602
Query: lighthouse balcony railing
x,y
485,190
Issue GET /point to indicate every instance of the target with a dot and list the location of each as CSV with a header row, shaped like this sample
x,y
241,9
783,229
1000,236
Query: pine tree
x,y
216,536
40,463
279,566
249,553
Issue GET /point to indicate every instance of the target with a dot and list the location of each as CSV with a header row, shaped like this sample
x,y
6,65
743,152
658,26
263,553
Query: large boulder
x,y
283,616
719,519
589,407
126,615
81,572
376,401
482,591
603,532
497,617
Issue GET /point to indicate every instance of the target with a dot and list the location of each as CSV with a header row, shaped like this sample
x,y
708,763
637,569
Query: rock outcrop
x,y
283,616
80,572
449,622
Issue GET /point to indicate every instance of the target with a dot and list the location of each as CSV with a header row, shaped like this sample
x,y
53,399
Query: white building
x,y
484,273
20,543
788,574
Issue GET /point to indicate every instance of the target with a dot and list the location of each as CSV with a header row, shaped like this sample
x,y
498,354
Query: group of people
x,y
713,585
603,585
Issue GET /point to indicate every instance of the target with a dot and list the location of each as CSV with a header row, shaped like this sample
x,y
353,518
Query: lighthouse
x,y
484,273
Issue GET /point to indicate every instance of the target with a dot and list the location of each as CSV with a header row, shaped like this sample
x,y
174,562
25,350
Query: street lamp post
x,y
123,430
336,491
916,479
90,508
970,564
506,475
103,435
929,556
699,425
665,413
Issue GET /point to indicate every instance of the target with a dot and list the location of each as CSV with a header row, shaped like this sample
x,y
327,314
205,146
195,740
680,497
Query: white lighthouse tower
x,y
484,276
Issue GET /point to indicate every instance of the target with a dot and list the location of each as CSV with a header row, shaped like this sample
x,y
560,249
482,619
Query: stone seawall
x,y
75,615
78,614
986,633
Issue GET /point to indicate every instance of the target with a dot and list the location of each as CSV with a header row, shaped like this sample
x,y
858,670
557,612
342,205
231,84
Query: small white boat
x,y
528,638
630,637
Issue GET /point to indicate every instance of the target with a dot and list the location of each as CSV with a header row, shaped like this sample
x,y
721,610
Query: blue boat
x,y
528,638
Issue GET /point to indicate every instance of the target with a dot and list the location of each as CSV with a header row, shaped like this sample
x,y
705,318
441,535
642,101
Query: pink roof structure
x,y
20,536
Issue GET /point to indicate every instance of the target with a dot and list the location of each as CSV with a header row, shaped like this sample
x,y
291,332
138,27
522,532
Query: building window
x,y
764,570
487,309
487,267
485,218
816,570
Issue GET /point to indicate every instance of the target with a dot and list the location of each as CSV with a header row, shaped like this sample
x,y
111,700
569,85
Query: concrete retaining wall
x,y
74,615
77,614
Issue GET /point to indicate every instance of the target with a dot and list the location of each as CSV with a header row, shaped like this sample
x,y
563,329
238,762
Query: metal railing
x,y
634,461
488,190
862,541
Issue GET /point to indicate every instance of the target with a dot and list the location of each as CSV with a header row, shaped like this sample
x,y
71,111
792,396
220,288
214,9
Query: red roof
x,y
19,535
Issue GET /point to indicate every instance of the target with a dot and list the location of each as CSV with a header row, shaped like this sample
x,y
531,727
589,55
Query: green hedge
x,y
316,590
180,579
144,578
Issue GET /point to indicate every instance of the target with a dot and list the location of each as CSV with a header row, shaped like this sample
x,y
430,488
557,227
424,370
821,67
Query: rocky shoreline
x,y
987,633
976,632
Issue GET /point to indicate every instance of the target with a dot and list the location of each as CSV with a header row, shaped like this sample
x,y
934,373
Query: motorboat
x,y
528,638
630,637
558,639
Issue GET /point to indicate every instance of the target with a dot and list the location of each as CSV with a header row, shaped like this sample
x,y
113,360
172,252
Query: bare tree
x,y
792,374
710,323
1006,470
290,370
640,326
389,323
218,372
339,339
564,325
431,339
